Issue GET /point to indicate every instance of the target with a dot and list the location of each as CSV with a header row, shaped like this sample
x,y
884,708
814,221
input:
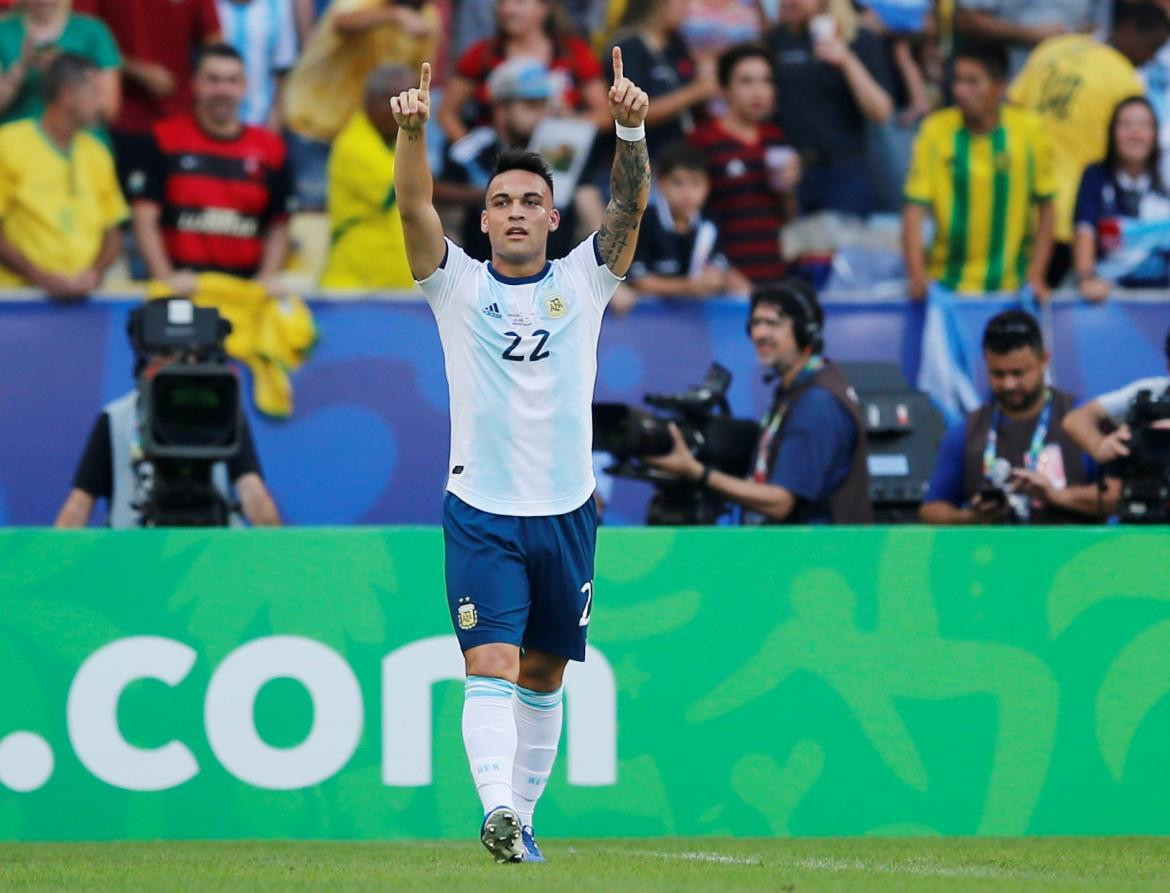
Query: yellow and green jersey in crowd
x,y
981,189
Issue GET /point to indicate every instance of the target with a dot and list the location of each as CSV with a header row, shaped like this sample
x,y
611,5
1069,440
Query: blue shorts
x,y
520,581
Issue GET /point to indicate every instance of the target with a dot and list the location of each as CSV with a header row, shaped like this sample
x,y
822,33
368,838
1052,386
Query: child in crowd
x,y
678,254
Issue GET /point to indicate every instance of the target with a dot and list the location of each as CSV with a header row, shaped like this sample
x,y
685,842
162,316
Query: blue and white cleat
x,y
532,851
501,835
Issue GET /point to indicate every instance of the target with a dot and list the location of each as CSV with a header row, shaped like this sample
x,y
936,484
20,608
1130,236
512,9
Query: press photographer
x,y
809,465
1010,461
1129,430
171,451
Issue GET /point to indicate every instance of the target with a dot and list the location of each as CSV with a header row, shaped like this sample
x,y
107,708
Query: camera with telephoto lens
x,y
704,419
1145,472
189,413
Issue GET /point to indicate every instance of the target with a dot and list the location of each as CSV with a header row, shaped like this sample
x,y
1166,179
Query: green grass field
x,y
673,864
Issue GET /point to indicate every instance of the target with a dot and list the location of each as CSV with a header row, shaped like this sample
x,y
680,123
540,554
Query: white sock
x,y
538,731
489,735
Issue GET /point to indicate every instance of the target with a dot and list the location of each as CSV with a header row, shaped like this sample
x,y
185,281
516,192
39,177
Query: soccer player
x,y
519,336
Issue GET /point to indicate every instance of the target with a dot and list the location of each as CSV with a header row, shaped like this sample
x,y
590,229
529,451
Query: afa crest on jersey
x,y
468,616
555,306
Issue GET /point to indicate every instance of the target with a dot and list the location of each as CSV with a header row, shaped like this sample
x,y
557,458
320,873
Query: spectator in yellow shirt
x,y
1074,83
60,205
983,172
366,248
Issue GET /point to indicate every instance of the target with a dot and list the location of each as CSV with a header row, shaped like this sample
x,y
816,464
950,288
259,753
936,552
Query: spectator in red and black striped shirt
x,y
217,193
753,174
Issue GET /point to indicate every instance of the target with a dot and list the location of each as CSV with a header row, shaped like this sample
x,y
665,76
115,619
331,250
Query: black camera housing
x,y
1145,472
190,413
703,417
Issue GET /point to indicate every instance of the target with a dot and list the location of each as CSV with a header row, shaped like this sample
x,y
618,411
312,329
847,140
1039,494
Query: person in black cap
x,y
810,465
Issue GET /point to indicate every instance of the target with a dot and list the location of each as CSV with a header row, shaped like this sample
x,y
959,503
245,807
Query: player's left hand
x,y
679,461
627,103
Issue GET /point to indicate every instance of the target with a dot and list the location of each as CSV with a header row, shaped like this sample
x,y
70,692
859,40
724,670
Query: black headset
x,y
805,327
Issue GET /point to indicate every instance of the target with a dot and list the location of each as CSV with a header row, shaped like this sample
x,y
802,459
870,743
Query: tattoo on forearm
x,y
629,191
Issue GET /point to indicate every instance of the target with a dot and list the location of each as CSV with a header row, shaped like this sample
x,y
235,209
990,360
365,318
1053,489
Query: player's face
x,y
519,216
751,92
773,338
685,191
1017,377
219,87
977,93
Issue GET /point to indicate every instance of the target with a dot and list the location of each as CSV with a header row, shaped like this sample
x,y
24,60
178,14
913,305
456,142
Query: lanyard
x,y
1039,436
775,416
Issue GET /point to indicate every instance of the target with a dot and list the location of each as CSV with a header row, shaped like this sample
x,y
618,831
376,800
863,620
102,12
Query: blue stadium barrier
x,y
368,441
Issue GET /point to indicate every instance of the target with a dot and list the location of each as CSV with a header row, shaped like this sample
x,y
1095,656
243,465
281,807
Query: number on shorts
x,y
588,590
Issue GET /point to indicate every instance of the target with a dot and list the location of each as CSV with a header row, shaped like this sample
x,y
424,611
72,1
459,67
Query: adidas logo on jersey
x,y
492,311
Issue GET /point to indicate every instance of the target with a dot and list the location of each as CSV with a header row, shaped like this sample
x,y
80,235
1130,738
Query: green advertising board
x,y
305,684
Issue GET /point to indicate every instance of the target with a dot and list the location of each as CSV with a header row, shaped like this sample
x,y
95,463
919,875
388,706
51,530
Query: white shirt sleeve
x,y
1116,403
443,284
585,265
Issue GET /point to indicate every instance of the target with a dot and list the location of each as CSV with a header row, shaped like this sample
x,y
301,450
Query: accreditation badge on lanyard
x,y
772,421
1032,459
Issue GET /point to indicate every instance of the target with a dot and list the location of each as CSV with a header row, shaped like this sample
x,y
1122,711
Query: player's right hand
x,y
412,108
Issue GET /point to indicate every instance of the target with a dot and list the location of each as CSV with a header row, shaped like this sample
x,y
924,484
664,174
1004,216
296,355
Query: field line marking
x,y
689,856
921,867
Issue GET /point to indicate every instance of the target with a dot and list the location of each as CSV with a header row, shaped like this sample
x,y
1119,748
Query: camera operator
x,y
1010,460
810,463
113,466
1087,425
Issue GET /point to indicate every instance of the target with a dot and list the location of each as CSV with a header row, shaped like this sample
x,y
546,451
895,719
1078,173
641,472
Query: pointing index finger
x,y
424,82
618,73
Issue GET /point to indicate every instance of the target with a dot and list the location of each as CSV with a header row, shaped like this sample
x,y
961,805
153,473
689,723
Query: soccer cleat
x,y
532,851
501,835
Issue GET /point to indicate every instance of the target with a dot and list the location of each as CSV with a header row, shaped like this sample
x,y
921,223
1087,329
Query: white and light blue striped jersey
x,y
521,361
264,33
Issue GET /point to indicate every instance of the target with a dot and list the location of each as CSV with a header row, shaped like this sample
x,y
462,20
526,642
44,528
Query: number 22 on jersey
x,y
538,352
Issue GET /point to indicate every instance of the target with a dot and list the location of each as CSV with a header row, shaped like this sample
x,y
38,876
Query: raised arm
x,y
630,181
413,186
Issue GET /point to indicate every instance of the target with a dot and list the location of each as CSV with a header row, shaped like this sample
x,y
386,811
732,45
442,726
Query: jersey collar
x,y
520,280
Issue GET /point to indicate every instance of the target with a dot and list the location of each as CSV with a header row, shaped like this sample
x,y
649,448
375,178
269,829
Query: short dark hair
x,y
523,160
992,56
1012,330
1141,16
66,70
730,59
681,155
215,51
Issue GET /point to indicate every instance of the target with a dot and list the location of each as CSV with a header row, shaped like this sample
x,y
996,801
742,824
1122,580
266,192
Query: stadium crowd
x,y
1024,144
977,120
